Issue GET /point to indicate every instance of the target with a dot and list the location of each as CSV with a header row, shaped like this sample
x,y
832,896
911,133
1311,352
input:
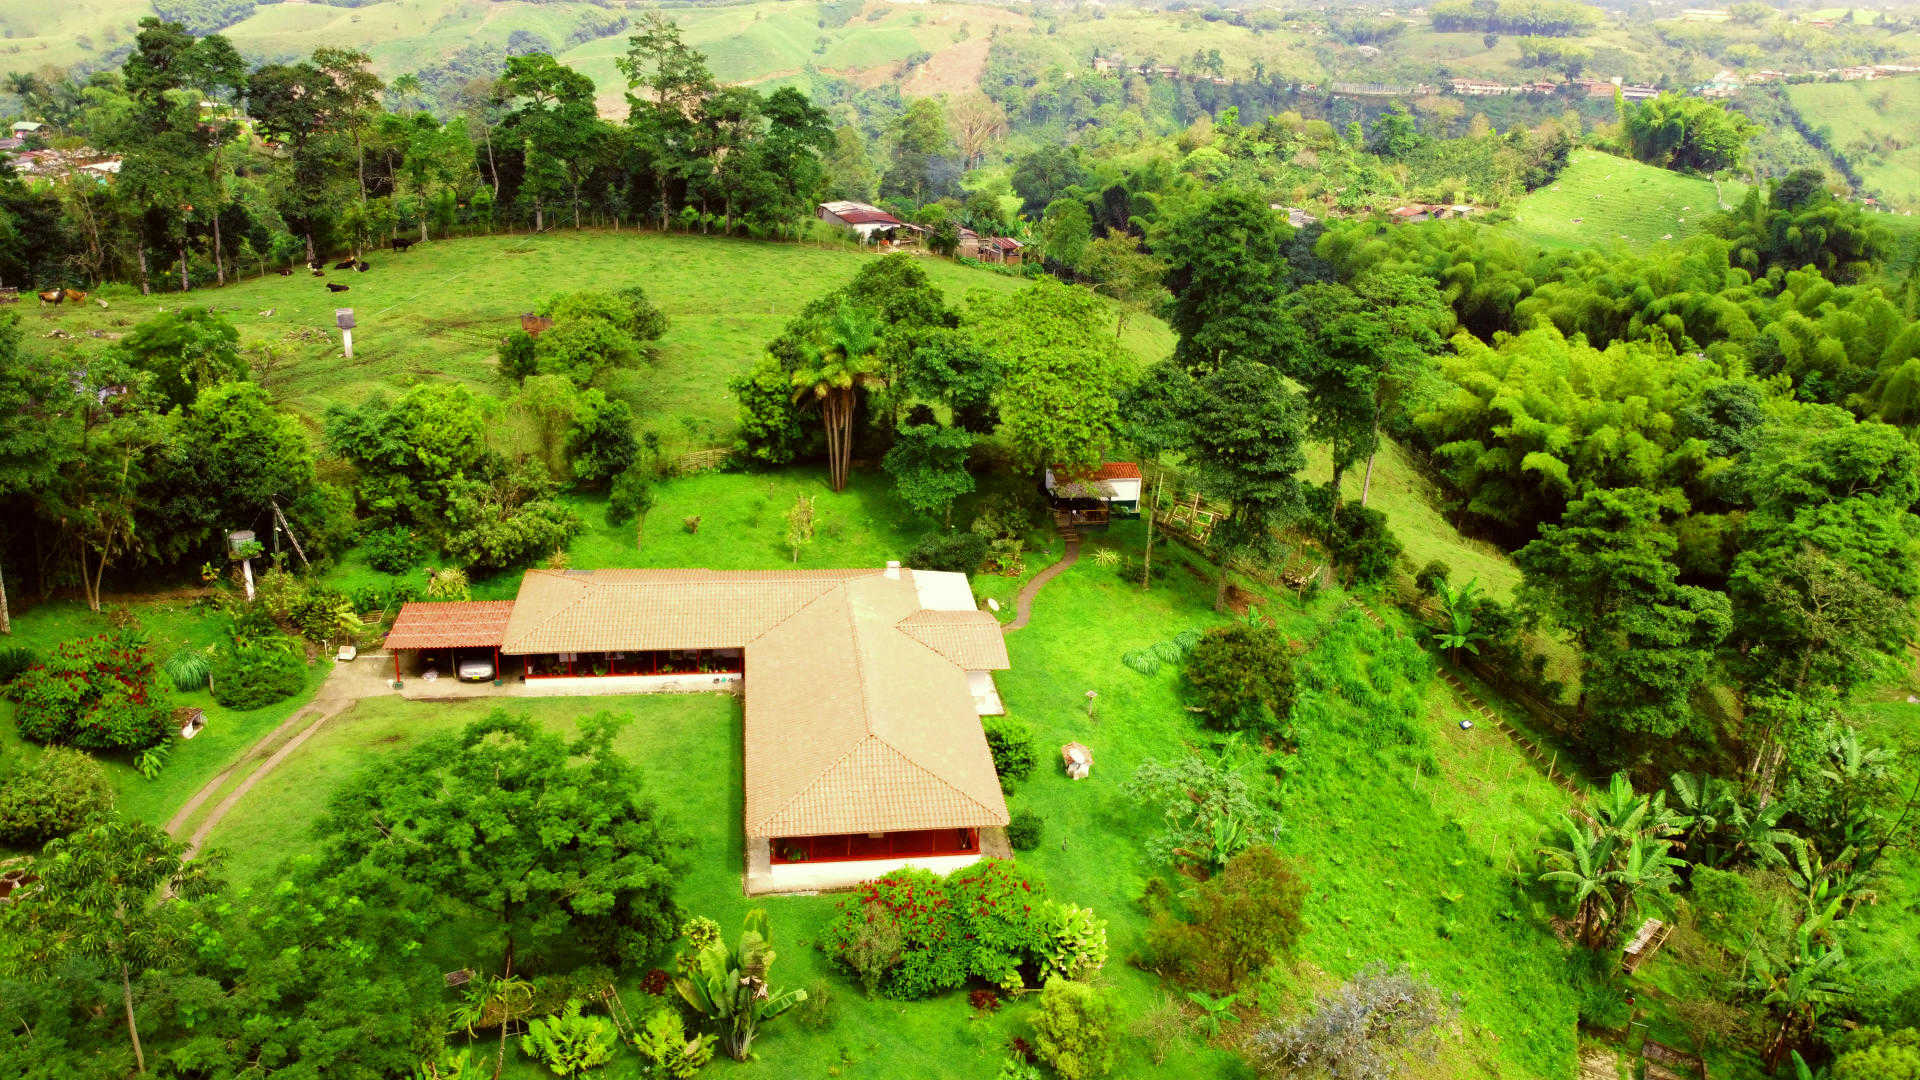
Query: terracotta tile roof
x,y
971,640
854,726
449,624
604,610
1107,470
859,717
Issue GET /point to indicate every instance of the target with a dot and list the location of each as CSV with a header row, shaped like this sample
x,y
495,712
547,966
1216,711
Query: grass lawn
x,y
438,311
1601,201
1408,862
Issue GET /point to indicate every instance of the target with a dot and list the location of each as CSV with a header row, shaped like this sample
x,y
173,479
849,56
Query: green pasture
x,y
1872,125
438,311
1410,854
1601,201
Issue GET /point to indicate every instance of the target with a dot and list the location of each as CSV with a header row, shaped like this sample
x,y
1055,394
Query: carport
x,y
449,625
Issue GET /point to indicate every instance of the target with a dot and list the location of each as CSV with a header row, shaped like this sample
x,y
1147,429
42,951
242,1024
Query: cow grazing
x,y
343,264
285,271
334,286
76,296
402,243
362,267
317,272
53,297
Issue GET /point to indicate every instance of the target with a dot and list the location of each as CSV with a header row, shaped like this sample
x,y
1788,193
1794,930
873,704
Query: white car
x,y
479,669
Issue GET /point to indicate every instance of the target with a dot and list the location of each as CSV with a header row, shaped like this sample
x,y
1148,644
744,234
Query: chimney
x,y
893,568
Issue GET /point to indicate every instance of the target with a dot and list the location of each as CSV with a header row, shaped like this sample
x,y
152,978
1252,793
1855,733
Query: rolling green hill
x,y
438,311
1870,125
1600,201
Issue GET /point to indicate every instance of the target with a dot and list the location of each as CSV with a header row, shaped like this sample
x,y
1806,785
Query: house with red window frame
x,y
863,691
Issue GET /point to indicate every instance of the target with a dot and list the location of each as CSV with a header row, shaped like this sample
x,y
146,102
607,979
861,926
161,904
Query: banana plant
x,y
728,986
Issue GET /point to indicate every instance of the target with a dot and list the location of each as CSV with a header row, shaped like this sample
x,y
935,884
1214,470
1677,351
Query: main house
x,y
863,694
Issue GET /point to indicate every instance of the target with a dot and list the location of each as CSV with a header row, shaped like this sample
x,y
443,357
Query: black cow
x,y
334,286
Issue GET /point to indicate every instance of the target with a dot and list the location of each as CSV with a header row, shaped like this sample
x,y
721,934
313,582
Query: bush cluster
x,y
1015,752
1024,830
393,550
960,552
1235,924
96,693
1073,1030
911,934
1240,678
51,796
251,673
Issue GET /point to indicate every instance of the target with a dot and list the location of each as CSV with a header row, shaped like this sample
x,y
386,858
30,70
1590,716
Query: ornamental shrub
x,y
1015,754
1362,545
959,552
1023,832
249,674
663,1044
1371,1028
997,907
51,796
14,662
1238,921
1073,1030
97,693
911,935
1240,678
392,551
1073,942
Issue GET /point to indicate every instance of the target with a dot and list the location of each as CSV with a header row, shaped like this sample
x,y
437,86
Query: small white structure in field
x,y
1078,760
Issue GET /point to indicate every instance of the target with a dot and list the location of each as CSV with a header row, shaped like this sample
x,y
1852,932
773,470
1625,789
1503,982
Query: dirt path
x,y
1023,603
346,684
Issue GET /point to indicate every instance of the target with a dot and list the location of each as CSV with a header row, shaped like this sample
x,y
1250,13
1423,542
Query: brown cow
x,y
53,296
334,286
75,296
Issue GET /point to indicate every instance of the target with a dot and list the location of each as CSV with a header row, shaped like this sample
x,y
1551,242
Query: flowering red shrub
x,y
911,935
97,693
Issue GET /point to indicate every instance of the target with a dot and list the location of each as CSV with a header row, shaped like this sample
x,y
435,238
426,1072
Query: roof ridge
x,y
783,620
918,764
808,786
554,614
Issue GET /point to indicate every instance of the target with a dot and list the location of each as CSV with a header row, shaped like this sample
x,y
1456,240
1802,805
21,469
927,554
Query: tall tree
x,y
839,361
1245,431
1226,272
551,839
1059,397
667,82
108,893
554,123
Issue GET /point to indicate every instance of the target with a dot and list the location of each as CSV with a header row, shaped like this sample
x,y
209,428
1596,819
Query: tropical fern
x,y
1143,661
569,1043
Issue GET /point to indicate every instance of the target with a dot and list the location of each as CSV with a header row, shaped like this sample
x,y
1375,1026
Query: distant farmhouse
x,y
872,224
863,695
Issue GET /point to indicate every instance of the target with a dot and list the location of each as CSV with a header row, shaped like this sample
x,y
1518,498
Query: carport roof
x,y
450,624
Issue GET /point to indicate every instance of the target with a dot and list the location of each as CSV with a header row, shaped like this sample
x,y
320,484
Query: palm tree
x,y
1617,862
1798,988
834,371
406,90
498,997
1458,606
1581,868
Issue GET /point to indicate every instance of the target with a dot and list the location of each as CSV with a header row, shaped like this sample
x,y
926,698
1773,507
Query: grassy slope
x,y
1601,201
33,36
1381,867
437,312
1872,123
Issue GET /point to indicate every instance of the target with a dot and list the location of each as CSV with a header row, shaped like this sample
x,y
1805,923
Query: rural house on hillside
x,y
870,223
863,694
